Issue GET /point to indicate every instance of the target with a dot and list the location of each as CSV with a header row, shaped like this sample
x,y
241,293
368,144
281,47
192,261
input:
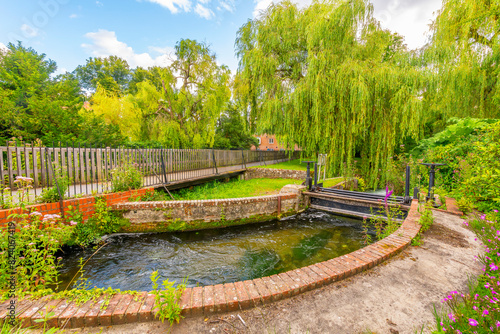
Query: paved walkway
x,y
75,190
394,297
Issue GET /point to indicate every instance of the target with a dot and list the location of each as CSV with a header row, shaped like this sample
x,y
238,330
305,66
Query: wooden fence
x,y
93,167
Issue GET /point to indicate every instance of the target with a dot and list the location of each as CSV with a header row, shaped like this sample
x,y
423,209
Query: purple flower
x,y
473,322
452,317
493,266
485,312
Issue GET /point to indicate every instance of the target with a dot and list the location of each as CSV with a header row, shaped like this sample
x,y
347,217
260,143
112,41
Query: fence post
x,y
243,159
165,180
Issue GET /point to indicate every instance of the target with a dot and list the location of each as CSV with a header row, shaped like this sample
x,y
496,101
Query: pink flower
x,y
73,223
485,312
473,322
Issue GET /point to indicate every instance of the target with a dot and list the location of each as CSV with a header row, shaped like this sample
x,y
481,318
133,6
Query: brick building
x,y
269,143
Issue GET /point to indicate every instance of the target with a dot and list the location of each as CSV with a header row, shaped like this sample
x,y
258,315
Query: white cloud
x,y
262,5
203,11
410,19
99,4
105,43
73,16
174,5
2,46
29,31
226,5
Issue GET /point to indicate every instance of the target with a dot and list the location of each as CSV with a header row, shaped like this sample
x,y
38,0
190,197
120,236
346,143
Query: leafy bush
x,y
126,177
473,167
37,241
51,195
167,300
103,221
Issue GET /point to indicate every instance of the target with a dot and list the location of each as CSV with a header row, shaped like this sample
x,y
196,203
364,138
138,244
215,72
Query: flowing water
x,y
218,255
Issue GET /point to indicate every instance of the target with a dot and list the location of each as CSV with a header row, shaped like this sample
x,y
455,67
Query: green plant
x,y
51,195
103,221
167,300
126,177
426,220
36,242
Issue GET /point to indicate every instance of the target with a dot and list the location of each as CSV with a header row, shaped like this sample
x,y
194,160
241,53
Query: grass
x,y
222,190
332,182
290,165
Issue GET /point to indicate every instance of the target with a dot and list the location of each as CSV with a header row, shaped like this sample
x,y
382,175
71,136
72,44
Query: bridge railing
x,y
89,168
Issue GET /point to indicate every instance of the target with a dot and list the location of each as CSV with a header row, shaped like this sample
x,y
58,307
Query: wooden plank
x,y
9,168
99,163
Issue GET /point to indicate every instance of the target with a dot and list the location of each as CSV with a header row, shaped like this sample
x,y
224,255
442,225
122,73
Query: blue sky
x,y
144,32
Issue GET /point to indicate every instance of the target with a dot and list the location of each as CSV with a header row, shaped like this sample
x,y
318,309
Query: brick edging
x,y
124,308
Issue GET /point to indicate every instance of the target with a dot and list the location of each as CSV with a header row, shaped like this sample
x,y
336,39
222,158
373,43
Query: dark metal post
x,y
315,176
165,180
416,193
432,173
215,162
61,203
308,175
243,157
407,184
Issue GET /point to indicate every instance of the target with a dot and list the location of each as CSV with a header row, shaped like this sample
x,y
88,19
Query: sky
x,y
144,32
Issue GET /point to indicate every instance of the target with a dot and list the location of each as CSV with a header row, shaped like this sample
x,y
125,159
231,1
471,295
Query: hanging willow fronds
x,y
329,79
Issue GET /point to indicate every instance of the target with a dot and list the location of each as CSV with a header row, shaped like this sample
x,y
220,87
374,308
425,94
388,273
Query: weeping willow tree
x,y
464,53
329,79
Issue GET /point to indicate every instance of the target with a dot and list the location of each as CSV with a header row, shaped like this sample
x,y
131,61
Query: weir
x,y
354,203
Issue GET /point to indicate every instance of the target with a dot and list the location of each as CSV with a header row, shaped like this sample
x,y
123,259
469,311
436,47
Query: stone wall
x,y
196,215
268,173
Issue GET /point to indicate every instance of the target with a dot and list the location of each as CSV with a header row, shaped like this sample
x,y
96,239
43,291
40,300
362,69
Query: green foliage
x,y
111,73
231,131
51,195
472,171
463,55
103,221
329,79
36,104
167,300
126,177
37,242
426,220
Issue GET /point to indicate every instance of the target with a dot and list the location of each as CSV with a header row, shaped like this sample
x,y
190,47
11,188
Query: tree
x,y
464,52
182,103
37,105
111,73
232,132
329,79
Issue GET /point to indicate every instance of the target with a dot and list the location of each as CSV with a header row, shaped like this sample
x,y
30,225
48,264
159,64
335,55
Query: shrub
x,y
126,177
51,195
37,241
103,221
167,300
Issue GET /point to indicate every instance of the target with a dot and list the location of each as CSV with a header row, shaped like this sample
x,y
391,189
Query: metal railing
x,y
89,168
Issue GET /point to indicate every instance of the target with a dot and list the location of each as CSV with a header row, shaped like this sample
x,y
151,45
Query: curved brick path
x,y
124,308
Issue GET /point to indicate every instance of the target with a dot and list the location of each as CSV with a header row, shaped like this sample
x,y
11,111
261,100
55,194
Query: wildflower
x,y
473,322
35,213
493,267
498,324
31,244
73,223
59,258
485,313
21,258
452,317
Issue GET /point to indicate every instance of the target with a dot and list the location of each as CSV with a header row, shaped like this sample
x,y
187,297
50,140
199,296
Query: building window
x,y
271,140
259,140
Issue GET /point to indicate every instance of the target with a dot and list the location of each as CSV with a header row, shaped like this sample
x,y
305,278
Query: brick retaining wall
x,y
85,204
197,301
